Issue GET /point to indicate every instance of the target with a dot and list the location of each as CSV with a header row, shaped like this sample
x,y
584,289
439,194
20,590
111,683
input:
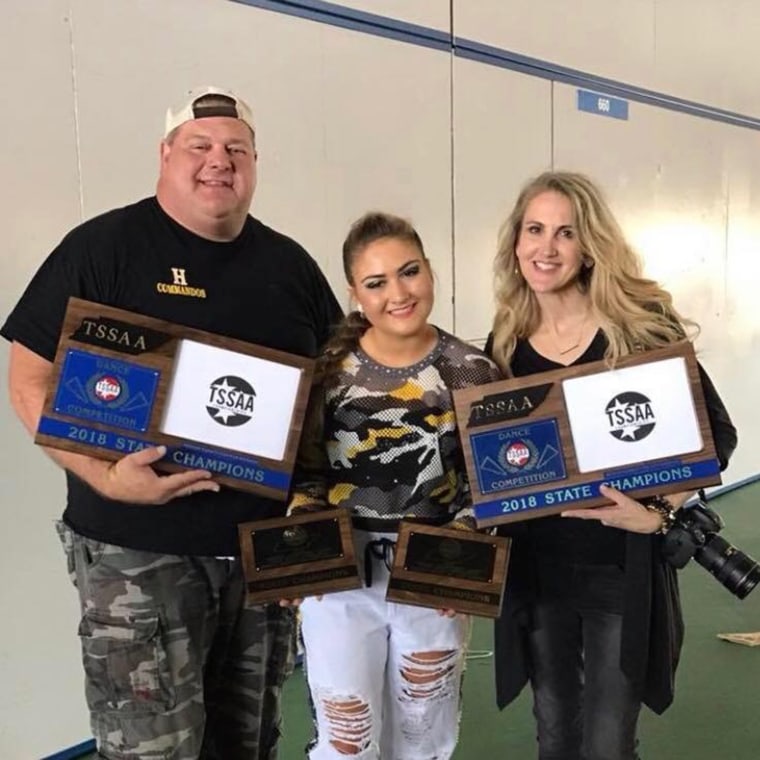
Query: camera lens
x,y
737,571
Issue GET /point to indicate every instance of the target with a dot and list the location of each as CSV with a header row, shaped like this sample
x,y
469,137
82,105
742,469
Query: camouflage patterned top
x,y
382,441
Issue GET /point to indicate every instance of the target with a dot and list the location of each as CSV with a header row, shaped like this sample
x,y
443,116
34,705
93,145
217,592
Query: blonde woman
x,y
592,618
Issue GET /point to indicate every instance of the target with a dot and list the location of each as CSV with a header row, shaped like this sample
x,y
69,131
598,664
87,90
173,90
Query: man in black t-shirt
x,y
176,665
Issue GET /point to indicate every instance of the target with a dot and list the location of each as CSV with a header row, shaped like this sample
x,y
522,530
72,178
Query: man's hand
x,y
132,479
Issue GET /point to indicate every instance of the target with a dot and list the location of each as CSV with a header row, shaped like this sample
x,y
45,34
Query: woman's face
x,y
393,285
548,252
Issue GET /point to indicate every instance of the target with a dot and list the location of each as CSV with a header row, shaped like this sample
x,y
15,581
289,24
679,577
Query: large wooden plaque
x,y
543,443
449,569
294,557
122,382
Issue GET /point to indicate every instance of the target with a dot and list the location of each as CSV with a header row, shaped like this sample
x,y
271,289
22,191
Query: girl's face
x,y
548,250
393,285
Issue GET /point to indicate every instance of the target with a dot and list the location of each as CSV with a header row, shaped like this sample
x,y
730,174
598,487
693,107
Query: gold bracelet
x,y
664,509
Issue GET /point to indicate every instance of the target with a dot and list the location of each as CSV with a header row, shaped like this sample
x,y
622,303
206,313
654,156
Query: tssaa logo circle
x,y
108,388
230,401
517,455
630,416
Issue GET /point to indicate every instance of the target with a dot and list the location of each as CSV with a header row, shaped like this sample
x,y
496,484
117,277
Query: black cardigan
x,y
652,621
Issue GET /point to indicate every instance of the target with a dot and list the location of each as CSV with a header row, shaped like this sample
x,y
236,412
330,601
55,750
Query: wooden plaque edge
x,y
247,556
463,399
498,585
75,311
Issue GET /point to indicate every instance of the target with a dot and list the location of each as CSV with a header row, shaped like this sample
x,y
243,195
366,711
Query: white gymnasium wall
x,y
39,649
346,122
432,14
493,155
682,189
699,50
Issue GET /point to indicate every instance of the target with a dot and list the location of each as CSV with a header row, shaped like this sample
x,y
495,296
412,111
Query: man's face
x,y
208,175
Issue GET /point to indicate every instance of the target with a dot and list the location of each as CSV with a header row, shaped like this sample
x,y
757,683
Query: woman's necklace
x,y
563,351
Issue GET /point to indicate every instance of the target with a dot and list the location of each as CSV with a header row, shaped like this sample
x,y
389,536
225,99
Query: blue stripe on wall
x,y
506,59
721,490
85,748
358,21
383,26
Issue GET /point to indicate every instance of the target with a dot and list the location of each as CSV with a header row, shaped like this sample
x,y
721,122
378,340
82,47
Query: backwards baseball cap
x,y
209,101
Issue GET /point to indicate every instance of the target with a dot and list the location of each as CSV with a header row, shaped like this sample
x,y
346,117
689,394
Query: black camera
x,y
695,534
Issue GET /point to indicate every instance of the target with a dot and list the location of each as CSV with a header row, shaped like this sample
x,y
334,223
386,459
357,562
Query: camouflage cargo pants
x,y
176,667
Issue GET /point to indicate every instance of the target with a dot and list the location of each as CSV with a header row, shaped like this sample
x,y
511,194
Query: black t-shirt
x,y
261,288
565,539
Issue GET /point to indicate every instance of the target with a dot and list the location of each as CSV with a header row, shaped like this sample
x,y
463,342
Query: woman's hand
x,y
624,513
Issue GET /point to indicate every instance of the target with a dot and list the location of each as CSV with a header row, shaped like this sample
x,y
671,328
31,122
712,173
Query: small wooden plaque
x,y
452,569
544,443
294,557
122,381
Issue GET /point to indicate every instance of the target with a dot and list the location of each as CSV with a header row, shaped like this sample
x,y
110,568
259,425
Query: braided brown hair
x,y
369,228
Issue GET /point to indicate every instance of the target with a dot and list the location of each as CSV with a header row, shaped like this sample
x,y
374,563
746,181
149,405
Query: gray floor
x,y
715,714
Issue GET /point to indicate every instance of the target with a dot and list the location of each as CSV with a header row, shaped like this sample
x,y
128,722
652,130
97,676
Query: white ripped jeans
x,y
385,678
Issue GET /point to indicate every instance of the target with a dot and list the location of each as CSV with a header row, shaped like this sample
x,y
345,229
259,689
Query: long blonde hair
x,y
634,313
